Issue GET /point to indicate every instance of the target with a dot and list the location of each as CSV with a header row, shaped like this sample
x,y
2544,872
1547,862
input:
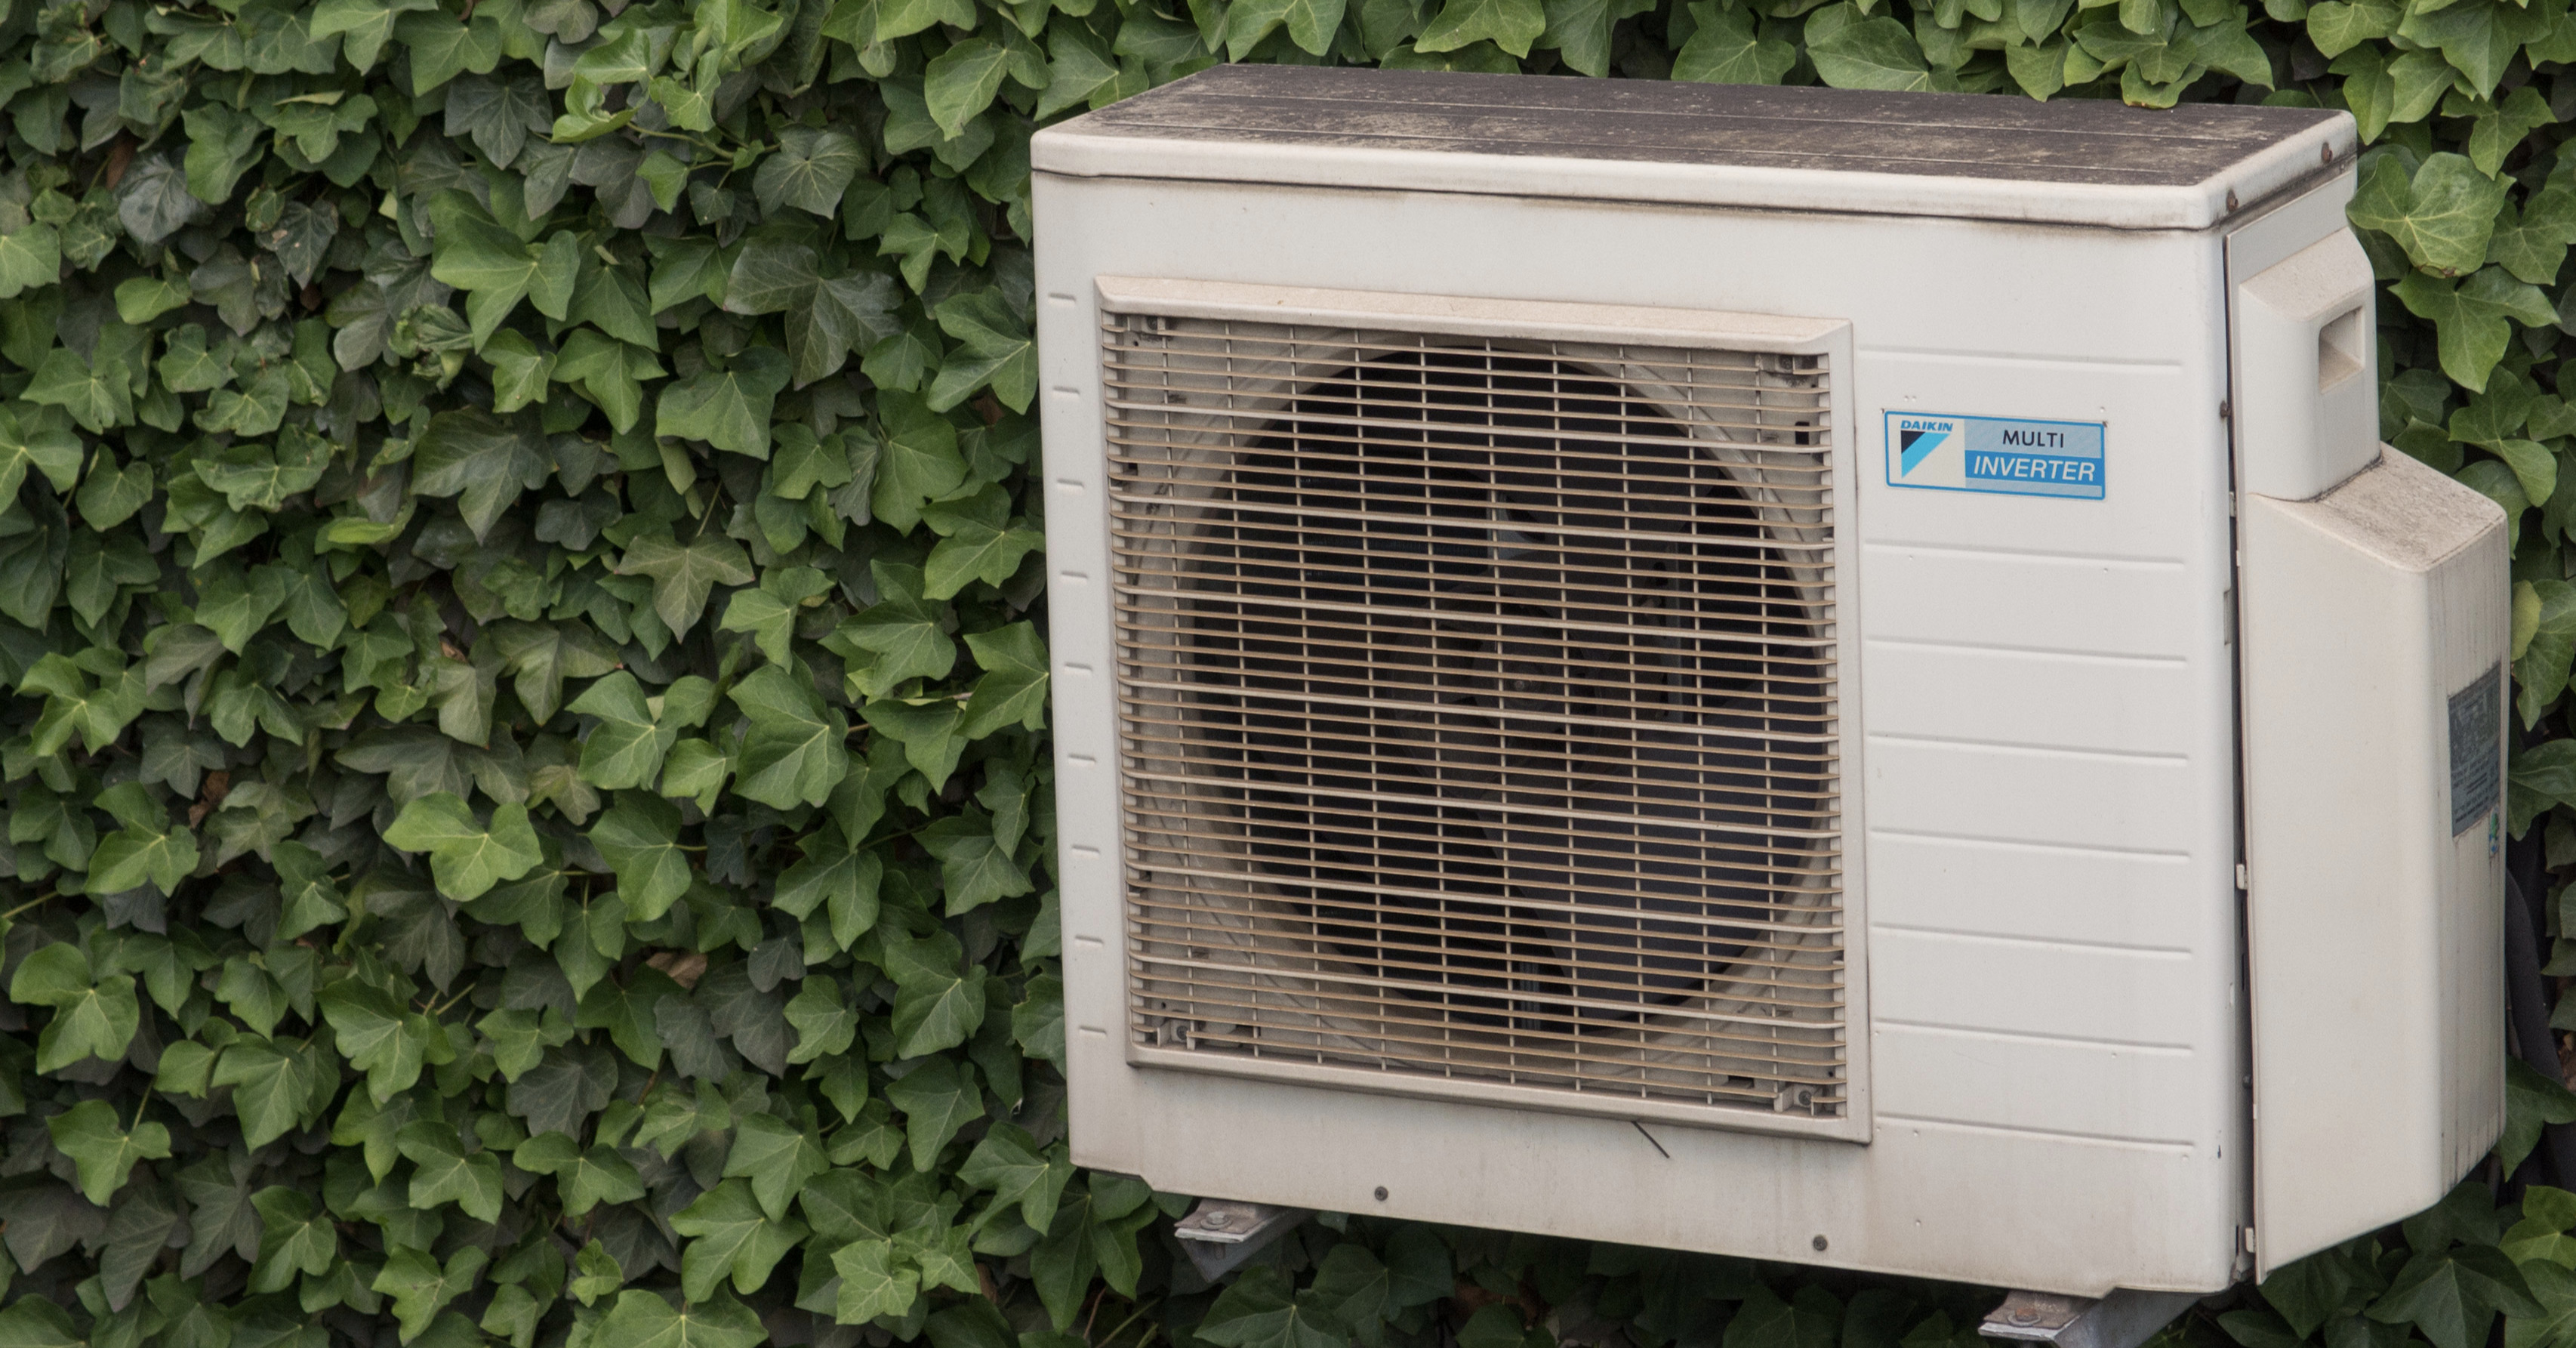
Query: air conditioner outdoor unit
x,y
1814,675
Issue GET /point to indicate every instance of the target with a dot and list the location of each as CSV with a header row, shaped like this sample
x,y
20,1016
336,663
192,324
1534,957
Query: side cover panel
x,y
2375,625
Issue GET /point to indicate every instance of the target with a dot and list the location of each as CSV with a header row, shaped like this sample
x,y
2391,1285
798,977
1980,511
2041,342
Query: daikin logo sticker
x,y
2014,456
1917,437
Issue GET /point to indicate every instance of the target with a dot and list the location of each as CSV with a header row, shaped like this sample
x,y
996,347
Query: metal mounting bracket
x,y
2123,1319
1220,1234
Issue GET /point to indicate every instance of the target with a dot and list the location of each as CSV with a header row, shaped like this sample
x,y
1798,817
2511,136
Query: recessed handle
x,y
2305,408
2341,348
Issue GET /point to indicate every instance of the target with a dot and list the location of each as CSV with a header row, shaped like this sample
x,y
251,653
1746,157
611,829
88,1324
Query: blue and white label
x,y
2012,455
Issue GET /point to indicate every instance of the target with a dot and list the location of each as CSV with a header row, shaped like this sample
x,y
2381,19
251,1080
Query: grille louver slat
x,y
1478,710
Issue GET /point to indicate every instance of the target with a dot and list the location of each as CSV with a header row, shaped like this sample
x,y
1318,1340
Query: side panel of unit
x,y
2374,628
2044,795
2376,620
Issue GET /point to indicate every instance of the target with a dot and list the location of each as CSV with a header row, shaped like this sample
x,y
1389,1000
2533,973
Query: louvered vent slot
x,y
1478,711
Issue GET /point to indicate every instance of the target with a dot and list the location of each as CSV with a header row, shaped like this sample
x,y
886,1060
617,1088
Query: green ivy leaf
x,y
727,408
640,837
995,348
2531,242
467,856
541,656
1512,25
625,749
628,1013
1870,54
1010,1163
903,634
272,1085
2469,318
644,1320
2443,216
2553,1285
731,1236
93,1017
610,373
585,1179
2532,1101
1260,1310
150,850
809,171
2479,38
34,1322
29,257
919,462
794,752
683,574
2337,26
777,1158
442,48
2545,648
937,1003
420,1287
1310,23
103,1153
873,1284
1726,48
937,1098
443,1172
98,394
1014,687
294,1239
960,82
482,460
381,1037
109,496
521,371
825,1025
2454,1295
363,27
974,868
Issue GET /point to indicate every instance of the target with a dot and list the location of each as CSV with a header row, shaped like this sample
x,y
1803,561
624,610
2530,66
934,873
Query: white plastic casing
x,y
2307,354
2046,790
2377,1089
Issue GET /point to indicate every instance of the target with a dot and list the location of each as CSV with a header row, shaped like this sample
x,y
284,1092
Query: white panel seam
x,y
2043,750
2111,364
2086,1042
2094,849
2034,653
2054,943
2181,1146
2024,554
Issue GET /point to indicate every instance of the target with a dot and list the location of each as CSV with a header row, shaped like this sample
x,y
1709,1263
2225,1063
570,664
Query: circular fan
x,y
1505,709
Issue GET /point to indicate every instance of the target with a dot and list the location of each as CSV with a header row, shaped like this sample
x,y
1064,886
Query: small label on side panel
x,y
2013,456
2476,735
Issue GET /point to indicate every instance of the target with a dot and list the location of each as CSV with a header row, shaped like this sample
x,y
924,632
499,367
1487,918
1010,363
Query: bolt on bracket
x,y
2123,1319
1220,1234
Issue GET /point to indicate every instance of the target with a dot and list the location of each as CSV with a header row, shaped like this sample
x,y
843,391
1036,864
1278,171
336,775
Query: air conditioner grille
x,y
1478,711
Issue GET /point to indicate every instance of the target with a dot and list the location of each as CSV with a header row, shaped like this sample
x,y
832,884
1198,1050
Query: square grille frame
x,y
1472,1056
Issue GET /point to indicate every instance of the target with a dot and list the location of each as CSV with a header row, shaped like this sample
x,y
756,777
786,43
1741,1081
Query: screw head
x,y
1217,1221
2325,154
1818,1242
2023,1316
1381,1193
2231,205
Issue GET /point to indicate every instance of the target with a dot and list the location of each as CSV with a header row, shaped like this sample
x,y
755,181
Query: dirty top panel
x,y
1655,121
